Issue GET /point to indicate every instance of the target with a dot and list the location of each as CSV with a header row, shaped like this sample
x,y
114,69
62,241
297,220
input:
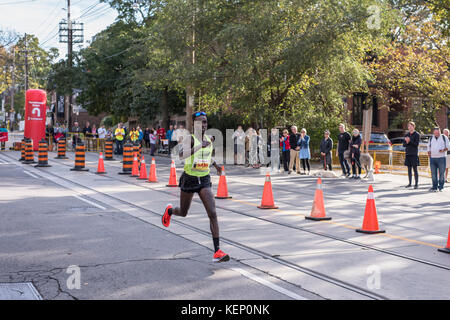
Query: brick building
x,y
384,115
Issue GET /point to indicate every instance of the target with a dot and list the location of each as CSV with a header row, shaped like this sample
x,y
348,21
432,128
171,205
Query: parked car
x,y
379,141
397,144
423,144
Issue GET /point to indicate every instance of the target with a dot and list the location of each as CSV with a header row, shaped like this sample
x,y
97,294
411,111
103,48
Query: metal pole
x,y
26,64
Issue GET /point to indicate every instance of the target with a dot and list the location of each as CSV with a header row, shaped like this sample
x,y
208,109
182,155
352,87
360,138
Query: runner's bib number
x,y
200,165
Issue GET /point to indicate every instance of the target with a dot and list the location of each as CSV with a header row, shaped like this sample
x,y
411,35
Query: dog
x,y
366,162
324,174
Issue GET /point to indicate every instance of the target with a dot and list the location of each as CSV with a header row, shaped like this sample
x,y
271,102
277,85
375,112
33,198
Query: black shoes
x,y
408,186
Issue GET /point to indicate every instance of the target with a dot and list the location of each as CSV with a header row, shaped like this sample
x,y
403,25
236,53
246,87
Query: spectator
x,y
147,137
161,132
3,135
76,130
325,151
119,133
304,154
56,134
141,136
153,138
285,149
87,131
102,136
343,145
355,153
294,156
446,133
239,146
64,131
411,145
94,145
169,136
134,135
437,152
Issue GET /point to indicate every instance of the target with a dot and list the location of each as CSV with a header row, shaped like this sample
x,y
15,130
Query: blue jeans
x,y
435,165
119,146
344,164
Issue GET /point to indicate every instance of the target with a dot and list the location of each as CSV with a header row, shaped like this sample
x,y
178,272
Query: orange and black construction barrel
x,y
29,154
43,154
127,158
22,147
62,145
109,149
80,158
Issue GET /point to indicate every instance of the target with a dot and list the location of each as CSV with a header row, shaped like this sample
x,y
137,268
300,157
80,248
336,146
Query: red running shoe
x,y
166,216
220,256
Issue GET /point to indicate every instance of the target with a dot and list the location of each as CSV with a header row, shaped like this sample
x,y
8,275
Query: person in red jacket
x,y
161,132
285,151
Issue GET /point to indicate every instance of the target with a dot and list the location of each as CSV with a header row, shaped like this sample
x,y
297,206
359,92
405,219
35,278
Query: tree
x,y
415,65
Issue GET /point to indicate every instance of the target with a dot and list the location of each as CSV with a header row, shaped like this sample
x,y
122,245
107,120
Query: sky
x,y
41,18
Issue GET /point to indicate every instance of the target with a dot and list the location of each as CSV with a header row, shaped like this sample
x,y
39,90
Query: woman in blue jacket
x,y
305,153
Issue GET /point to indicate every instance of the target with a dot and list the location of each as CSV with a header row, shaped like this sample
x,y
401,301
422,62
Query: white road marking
x,y
90,202
269,284
31,174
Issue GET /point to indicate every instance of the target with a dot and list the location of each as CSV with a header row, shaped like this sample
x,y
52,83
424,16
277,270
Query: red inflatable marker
x,y
35,113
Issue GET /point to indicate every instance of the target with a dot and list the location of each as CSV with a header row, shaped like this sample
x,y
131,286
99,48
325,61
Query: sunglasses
x,y
201,113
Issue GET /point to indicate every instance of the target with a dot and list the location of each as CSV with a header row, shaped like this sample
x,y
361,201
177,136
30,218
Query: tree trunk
x,y
165,108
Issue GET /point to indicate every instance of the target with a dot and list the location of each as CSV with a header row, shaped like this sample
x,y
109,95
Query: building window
x,y
374,102
359,99
448,117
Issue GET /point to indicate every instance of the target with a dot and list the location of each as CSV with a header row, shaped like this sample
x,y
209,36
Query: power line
x,y
97,15
95,12
47,18
16,2
86,10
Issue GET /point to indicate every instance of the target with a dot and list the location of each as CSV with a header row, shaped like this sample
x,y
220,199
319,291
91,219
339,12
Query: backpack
x,y
444,138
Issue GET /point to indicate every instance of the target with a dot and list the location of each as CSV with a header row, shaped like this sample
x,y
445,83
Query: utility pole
x,y
26,64
68,98
70,32
190,93
13,77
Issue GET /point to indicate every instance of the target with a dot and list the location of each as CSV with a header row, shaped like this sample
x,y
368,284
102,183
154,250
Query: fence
x,y
392,161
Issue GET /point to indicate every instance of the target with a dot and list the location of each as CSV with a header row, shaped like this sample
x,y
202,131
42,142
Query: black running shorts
x,y
191,184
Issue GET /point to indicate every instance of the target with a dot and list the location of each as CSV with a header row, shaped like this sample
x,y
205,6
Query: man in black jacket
x,y
343,145
411,145
294,152
325,151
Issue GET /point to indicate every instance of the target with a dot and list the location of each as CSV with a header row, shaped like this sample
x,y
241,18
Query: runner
x,y
196,179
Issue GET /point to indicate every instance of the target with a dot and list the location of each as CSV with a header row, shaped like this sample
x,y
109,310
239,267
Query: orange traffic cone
x,y
135,169
101,165
267,199
370,222
377,167
222,190
143,172
152,176
318,208
447,248
173,176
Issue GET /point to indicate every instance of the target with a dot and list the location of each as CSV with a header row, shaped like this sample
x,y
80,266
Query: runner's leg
x,y
207,198
185,204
